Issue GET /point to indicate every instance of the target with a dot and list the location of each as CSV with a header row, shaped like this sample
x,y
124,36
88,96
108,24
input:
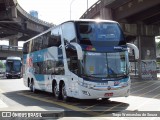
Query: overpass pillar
x,y
13,42
106,13
147,62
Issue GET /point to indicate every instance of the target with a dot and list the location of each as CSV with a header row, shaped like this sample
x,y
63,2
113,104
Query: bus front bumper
x,y
104,92
13,74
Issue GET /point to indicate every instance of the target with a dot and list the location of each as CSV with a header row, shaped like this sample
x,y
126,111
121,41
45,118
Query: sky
x,y
57,11
54,11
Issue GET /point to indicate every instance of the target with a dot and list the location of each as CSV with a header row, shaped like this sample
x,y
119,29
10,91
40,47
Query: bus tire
x,y
105,99
64,94
32,86
55,91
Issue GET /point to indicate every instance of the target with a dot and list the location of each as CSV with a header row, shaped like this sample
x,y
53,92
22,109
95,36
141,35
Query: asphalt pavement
x,y
139,92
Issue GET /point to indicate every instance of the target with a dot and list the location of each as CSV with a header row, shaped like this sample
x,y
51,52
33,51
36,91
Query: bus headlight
x,y
18,73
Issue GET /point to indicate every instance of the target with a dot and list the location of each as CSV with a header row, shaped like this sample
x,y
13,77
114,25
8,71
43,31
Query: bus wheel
x,y
32,86
64,94
105,99
55,91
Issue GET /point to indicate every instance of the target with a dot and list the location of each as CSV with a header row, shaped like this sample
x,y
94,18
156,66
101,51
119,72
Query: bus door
x,y
72,61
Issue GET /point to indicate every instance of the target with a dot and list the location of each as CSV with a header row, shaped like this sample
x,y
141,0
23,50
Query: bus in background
x,y
13,67
84,59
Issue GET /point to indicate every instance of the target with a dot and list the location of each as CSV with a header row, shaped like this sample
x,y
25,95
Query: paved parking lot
x,y
145,96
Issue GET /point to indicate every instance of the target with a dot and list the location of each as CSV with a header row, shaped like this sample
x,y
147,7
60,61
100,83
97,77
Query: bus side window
x,y
69,34
54,38
45,41
72,60
25,48
59,67
50,67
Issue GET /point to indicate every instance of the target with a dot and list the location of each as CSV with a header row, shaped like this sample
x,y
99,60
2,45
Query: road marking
x,y
139,85
1,91
111,108
149,91
2,104
143,88
71,107
147,101
90,106
138,82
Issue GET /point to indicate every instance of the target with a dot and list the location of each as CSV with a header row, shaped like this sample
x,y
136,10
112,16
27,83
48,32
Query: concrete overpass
x,y
140,20
6,51
16,24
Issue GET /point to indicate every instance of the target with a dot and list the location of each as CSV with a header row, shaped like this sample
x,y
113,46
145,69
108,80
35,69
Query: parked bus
x,y
84,59
13,67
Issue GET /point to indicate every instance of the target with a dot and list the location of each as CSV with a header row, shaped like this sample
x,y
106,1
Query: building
x,y
34,13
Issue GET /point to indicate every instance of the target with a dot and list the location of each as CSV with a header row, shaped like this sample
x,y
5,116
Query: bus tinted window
x,y
49,67
25,48
89,32
54,38
37,44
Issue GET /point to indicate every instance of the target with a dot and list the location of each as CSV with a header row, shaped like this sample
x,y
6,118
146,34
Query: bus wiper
x,y
121,75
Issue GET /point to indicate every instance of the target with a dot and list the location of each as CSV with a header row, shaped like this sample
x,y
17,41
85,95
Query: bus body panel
x,y
58,63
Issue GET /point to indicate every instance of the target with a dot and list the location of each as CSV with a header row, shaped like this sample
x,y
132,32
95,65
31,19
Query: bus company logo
x,y
29,62
116,83
109,88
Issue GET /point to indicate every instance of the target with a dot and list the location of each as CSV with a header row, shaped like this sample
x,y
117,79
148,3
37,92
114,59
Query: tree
x,y
158,45
2,65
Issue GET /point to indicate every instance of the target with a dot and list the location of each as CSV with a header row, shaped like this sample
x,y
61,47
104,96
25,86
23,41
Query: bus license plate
x,y
108,94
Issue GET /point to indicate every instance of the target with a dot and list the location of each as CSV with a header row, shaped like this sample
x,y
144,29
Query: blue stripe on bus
x,y
39,77
101,48
41,55
37,56
124,80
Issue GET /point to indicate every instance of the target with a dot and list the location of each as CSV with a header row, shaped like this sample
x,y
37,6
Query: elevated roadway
x,y
15,21
129,11
6,51
17,25
140,21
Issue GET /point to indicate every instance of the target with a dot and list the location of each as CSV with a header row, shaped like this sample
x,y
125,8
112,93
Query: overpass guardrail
x,y
10,48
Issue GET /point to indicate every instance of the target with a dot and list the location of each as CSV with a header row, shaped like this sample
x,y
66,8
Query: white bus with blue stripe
x,y
84,59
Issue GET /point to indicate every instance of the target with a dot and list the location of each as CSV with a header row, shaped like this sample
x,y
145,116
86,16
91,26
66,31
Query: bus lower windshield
x,y
109,65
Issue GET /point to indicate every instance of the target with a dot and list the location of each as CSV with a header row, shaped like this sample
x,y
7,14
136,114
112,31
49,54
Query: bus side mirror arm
x,y
78,49
136,50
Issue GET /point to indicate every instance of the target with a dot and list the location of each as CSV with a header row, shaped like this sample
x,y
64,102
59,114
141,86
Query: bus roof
x,y
91,20
79,20
13,58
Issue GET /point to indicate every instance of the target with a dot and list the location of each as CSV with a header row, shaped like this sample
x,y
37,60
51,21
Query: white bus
x,y
13,67
84,59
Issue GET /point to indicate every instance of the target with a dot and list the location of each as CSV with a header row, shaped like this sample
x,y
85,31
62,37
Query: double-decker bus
x,y
13,67
84,59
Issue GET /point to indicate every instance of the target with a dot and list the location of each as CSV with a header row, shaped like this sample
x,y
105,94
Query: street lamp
x,y
87,4
70,7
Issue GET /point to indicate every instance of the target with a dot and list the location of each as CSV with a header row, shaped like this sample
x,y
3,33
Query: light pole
x,y
70,7
87,4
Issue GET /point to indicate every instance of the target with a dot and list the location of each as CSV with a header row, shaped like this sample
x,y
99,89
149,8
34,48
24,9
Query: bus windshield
x,y
89,32
13,65
110,65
